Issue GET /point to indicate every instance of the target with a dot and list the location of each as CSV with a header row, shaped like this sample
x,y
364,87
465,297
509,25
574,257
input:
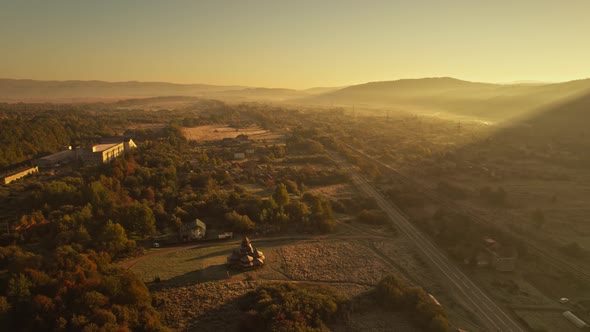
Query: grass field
x,y
196,293
219,132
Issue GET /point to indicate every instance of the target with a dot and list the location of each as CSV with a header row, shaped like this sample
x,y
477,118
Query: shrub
x,y
291,307
494,197
239,223
396,295
451,190
372,217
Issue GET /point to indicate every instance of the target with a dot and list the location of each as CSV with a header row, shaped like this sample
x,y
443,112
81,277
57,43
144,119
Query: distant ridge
x,y
32,89
434,95
454,96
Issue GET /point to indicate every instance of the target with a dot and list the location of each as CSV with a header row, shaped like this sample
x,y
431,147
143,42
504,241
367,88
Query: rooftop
x,y
115,139
58,156
103,147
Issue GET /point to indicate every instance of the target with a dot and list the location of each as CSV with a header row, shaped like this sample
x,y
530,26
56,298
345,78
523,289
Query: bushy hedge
x,y
396,295
290,307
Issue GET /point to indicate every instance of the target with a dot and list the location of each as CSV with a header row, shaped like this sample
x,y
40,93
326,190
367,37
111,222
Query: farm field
x,y
219,132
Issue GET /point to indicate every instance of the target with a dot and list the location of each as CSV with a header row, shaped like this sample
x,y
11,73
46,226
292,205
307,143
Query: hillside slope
x,y
481,100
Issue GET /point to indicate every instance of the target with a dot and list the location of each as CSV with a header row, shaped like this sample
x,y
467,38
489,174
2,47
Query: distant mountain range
x,y
24,89
431,95
32,89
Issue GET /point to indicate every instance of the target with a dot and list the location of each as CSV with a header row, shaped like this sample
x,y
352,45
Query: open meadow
x,y
219,132
197,290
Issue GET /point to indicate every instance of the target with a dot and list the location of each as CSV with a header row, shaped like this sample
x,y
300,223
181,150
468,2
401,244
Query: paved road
x,y
489,314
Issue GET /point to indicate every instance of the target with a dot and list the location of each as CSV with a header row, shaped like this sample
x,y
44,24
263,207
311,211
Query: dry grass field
x,y
150,104
334,261
333,192
219,132
195,292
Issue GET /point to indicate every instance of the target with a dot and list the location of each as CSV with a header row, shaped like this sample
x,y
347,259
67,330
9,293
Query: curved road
x,y
487,311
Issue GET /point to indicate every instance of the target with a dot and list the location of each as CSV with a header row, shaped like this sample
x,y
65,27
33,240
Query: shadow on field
x,y
210,273
224,252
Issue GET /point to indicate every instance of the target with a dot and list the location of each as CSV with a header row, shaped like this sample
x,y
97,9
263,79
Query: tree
x,y
138,219
19,288
281,196
292,187
113,238
297,211
397,295
239,223
292,307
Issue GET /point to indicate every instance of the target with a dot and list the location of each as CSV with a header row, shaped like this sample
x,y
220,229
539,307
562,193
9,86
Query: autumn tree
x,y
138,219
239,223
280,195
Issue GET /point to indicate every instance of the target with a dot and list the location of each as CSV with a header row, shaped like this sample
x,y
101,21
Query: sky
x,y
294,44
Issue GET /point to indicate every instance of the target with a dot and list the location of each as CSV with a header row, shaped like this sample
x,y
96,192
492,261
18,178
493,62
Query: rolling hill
x,y
471,99
439,95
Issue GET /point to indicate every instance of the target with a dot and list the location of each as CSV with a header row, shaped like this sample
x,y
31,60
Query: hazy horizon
x,y
516,82
294,45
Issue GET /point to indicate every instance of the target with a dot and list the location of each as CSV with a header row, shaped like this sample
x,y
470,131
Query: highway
x,y
490,315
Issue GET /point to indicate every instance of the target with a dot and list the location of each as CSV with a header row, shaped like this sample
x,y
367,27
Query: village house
x,y
239,155
225,235
193,230
238,140
242,138
228,141
500,257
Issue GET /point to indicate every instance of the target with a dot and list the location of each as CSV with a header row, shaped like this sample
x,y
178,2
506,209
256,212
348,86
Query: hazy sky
x,y
295,44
